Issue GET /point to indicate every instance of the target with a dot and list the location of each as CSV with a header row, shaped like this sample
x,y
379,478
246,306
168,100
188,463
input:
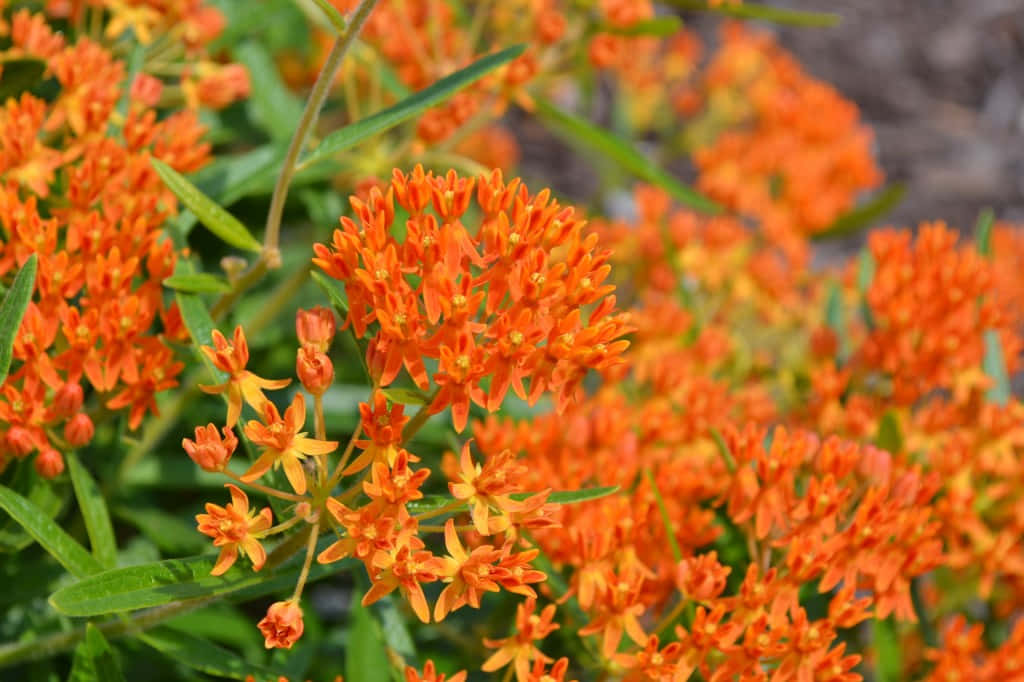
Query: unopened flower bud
x,y
209,450
79,430
314,369
19,441
49,463
701,578
282,625
68,400
315,327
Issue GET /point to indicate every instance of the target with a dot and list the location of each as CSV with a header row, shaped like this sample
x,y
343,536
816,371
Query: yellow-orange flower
x,y
235,529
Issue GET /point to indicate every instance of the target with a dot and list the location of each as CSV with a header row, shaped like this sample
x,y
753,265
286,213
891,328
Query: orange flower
x,y
487,488
283,443
235,529
520,650
384,426
468,574
208,450
242,384
431,675
282,626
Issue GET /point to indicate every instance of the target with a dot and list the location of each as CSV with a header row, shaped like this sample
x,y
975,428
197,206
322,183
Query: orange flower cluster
x,y
855,523
182,29
502,302
794,154
492,307
930,306
374,516
77,190
827,514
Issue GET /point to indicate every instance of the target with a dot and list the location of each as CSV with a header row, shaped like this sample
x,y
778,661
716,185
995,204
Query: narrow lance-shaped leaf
x,y
994,364
216,219
431,502
749,10
95,660
590,136
48,534
206,657
890,436
406,396
163,582
983,232
200,327
432,95
323,13
366,656
889,667
12,311
658,26
197,283
94,512
862,216
273,106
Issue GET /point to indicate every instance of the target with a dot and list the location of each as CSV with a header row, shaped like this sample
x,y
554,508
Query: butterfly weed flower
x,y
236,530
507,298
283,625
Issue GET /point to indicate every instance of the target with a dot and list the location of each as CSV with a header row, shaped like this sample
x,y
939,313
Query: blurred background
x,y
942,84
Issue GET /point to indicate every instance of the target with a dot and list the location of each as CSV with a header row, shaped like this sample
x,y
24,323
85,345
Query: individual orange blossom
x,y
235,529
283,443
242,385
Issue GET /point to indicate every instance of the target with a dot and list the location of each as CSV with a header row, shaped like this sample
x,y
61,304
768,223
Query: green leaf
x,y
200,654
94,513
12,310
334,292
48,534
983,232
324,14
394,628
585,134
365,654
574,496
41,493
431,502
200,327
660,27
162,582
95,660
994,364
20,75
273,106
775,15
887,646
406,396
834,309
198,283
350,135
890,436
169,533
216,219
865,275
864,215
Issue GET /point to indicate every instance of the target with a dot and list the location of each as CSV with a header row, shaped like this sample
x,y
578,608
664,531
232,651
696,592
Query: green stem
x,y
418,420
677,553
308,120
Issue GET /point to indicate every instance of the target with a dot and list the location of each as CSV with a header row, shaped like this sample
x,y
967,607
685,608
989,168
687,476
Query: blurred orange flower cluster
x,y
78,191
